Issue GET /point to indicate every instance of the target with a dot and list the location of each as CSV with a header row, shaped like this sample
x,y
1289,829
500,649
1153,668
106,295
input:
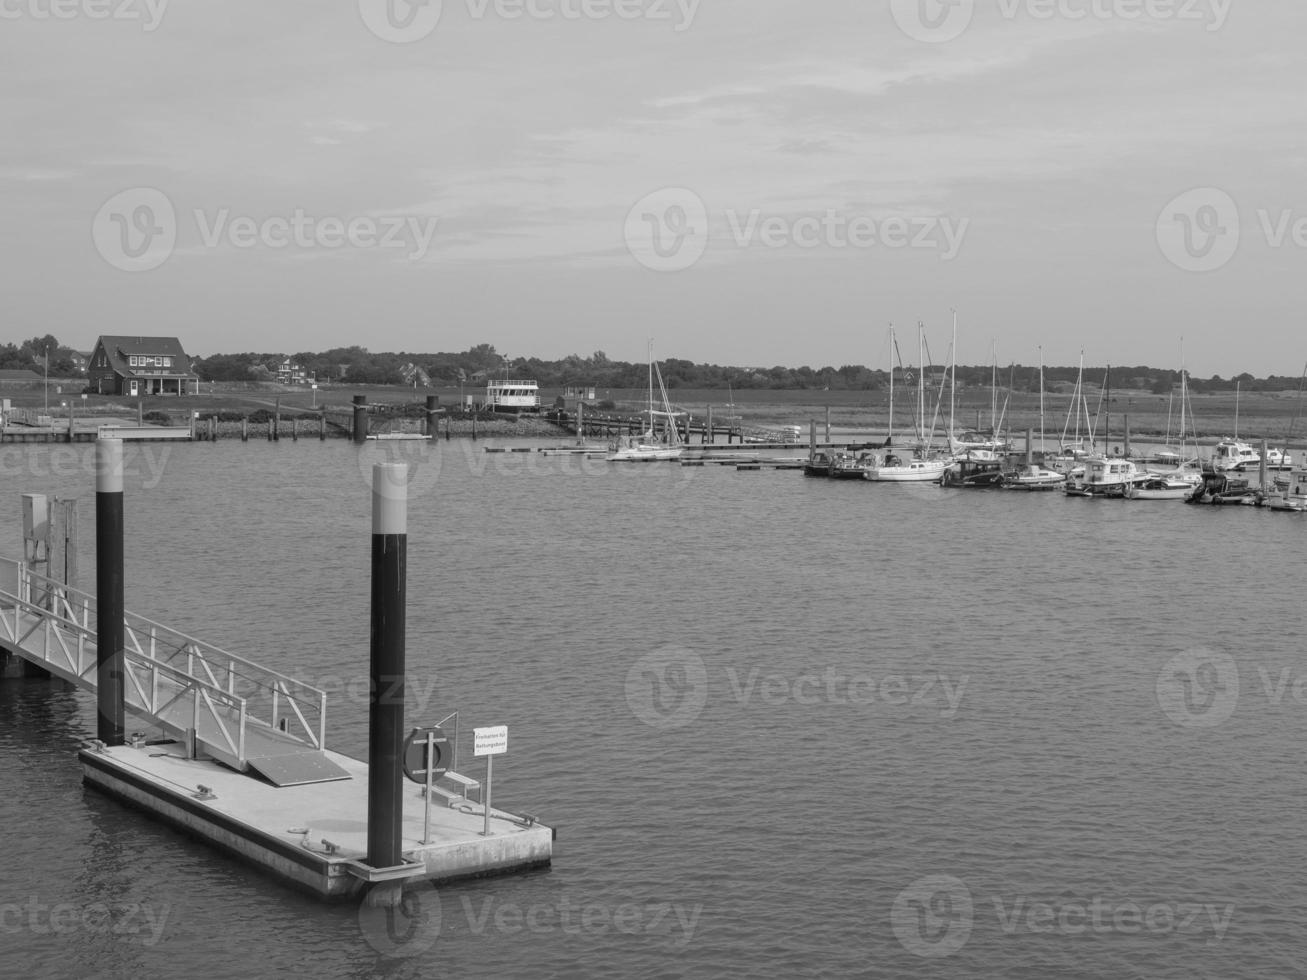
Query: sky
x,y
746,182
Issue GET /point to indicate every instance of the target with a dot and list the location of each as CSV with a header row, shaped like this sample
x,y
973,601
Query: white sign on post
x,y
490,741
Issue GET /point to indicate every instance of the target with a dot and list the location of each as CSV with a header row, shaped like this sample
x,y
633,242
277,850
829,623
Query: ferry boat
x,y
506,395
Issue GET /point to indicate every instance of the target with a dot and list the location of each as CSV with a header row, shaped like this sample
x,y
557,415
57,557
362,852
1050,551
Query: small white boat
x,y
1162,488
1231,454
1293,497
1033,477
895,467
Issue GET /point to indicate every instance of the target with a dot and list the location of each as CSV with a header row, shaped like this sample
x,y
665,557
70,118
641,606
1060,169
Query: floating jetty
x,y
239,756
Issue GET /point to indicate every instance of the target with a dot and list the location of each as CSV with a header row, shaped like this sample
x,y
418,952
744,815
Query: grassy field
x,y
1273,416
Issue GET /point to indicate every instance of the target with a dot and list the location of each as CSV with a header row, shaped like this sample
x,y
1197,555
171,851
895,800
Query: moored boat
x,y
851,466
976,468
1033,477
895,467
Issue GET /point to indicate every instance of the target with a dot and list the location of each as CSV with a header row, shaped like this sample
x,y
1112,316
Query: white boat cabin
x,y
512,396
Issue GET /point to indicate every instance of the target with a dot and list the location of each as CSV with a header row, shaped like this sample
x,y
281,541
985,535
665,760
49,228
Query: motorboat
x,y
974,469
1033,477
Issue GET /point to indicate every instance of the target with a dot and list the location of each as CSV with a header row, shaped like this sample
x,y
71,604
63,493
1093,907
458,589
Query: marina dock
x,y
235,753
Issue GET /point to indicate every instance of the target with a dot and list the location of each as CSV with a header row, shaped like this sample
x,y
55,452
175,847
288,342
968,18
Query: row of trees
x,y
31,355
359,366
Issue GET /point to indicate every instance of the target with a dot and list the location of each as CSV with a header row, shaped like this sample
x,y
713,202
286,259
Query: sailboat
x,y
649,447
895,466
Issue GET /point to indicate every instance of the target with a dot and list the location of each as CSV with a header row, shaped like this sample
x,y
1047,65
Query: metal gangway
x,y
242,714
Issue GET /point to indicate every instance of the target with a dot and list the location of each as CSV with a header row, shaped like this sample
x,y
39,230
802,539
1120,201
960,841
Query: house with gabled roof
x,y
136,366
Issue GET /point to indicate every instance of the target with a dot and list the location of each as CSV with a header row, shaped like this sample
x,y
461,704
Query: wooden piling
x,y
709,436
322,427
245,428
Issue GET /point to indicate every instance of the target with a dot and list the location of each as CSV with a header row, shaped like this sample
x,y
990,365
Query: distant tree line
x,y
31,354
357,365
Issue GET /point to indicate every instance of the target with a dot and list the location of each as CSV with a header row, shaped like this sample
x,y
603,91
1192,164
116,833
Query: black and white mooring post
x,y
360,419
433,410
386,701
111,728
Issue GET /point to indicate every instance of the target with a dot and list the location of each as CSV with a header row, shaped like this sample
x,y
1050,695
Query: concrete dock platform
x,y
314,836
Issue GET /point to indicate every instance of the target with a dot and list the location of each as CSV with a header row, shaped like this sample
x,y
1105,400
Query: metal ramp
x,y
242,714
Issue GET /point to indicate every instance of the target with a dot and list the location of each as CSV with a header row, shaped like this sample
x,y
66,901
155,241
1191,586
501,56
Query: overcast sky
x,y
749,182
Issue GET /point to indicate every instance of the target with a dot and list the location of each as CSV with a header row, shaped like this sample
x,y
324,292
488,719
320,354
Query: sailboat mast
x,y
921,382
893,348
953,382
1041,398
1236,411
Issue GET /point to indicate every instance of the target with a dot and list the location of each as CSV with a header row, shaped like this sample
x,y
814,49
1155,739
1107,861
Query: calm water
x,y
785,727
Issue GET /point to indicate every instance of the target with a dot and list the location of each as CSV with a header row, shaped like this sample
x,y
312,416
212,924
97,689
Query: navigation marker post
x,y
489,742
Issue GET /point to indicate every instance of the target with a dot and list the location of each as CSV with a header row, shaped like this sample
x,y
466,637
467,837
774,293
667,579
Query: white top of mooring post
x,y
108,466
389,498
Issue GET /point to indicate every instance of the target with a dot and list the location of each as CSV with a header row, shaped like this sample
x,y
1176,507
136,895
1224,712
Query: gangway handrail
x,y
175,634
270,685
